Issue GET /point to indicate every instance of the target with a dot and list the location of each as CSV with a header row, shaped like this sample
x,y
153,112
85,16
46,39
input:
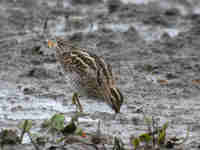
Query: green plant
x,y
156,137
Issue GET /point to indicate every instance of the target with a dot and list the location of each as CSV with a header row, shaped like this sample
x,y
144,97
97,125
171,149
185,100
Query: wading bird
x,y
88,73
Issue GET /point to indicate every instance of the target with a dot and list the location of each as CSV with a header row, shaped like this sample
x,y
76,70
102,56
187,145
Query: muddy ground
x,y
153,47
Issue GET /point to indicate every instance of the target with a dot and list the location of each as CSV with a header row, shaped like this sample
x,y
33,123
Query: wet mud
x,y
153,47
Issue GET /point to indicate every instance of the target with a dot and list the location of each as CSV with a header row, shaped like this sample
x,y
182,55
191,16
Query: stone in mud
x,y
28,91
76,37
113,5
131,34
165,37
106,30
41,140
40,73
37,72
171,76
157,20
172,12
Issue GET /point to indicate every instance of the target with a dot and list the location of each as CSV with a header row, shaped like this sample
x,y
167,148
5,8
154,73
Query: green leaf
x,y
70,128
136,142
145,137
147,120
57,121
46,124
165,126
162,134
61,139
74,98
149,123
161,137
26,125
76,116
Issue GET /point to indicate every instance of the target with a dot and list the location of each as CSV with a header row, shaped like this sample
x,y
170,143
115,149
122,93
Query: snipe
x,y
88,73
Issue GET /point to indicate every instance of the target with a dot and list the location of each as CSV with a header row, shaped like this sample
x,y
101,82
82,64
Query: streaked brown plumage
x,y
88,73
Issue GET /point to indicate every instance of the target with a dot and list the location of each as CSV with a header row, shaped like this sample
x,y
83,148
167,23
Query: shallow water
x,y
17,106
148,33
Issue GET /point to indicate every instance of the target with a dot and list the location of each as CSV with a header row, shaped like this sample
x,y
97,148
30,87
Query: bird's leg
x,y
76,101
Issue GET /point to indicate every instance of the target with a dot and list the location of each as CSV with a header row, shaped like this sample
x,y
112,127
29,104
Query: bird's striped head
x,y
112,95
116,99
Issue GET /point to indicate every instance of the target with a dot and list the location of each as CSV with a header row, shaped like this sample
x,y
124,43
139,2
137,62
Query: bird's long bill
x,y
111,99
116,98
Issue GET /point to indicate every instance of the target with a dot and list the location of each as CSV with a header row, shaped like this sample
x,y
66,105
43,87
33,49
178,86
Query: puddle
x,y
138,1
17,106
57,26
148,33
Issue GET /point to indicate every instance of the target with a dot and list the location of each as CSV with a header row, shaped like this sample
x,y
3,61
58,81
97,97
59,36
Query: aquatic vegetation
x,y
156,137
